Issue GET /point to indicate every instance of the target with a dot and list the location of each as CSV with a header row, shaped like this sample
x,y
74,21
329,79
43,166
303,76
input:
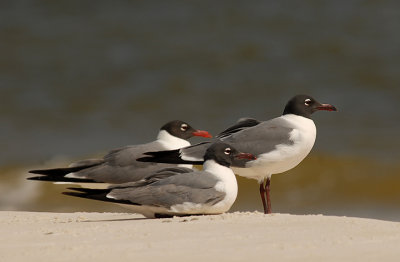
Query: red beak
x,y
246,156
202,133
326,107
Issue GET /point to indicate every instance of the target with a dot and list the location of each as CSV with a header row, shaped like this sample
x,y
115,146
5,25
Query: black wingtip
x,y
154,156
37,172
76,188
90,191
62,170
95,194
53,171
52,178
75,194
240,125
146,159
167,157
36,178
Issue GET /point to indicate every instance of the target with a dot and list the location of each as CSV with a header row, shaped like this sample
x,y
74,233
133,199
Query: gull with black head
x,y
179,191
279,144
120,165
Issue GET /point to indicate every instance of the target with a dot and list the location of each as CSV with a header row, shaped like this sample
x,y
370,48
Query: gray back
x,y
194,187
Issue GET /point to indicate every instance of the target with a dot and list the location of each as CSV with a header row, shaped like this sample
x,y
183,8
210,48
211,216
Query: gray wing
x,y
247,135
195,153
194,187
87,162
126,156
152,178
261,138
120,165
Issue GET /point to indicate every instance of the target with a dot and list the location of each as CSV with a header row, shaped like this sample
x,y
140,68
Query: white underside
x,y
284,157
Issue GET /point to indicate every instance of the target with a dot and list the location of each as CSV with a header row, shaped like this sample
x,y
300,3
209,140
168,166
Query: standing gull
x,y
279,144
179,191
120,165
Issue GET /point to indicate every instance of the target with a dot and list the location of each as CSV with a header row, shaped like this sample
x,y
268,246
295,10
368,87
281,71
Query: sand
x,y
32,236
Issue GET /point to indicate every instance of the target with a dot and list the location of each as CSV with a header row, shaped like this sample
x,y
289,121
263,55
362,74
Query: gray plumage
x,y
120,165
248,135
261,138
192,187
156,176
279,144
177,190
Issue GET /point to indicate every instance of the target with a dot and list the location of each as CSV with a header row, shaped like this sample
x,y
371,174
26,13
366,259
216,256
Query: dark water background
x,y
78,78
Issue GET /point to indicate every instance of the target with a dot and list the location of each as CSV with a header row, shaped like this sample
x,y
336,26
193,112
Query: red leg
x,y
267,190
262,194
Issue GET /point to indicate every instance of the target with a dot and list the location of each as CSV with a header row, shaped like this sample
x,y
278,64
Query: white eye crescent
x,y
184,127
307,102
227,151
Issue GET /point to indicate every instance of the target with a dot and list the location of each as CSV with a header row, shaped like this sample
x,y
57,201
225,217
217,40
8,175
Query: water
x,y
78,79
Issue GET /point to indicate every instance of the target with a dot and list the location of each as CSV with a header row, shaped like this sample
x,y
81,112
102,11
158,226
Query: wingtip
x,y
75,194
34,178
145,159
36,171
88,191
75,188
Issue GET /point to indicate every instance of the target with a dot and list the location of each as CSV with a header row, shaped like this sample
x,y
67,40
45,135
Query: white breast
x,y
227,183
171,142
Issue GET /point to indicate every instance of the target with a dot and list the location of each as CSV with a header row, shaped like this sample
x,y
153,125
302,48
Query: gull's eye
x,y
307,102
184,127
227,151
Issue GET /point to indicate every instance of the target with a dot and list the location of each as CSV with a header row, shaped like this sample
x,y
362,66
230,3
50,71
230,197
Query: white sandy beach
x,y
31,236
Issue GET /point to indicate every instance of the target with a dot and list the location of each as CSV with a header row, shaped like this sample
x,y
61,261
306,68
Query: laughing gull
x,y
179,191
120,165
279,144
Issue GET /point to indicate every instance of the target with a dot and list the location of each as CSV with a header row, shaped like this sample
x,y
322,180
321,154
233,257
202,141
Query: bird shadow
x,y
116,220
185,218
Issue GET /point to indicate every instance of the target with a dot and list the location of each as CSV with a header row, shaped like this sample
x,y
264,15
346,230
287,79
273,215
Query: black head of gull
x,y
224,154
183,130
305,105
